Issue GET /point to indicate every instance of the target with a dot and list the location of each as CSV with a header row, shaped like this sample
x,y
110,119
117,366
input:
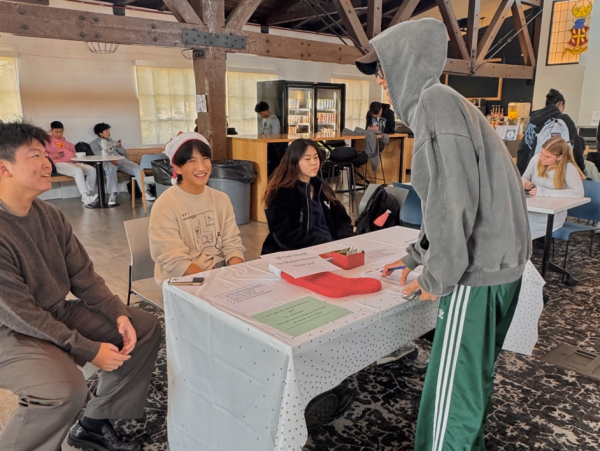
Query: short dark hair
x,y
375,107
56,124
554,97
99,128
186,152
261,106
16,134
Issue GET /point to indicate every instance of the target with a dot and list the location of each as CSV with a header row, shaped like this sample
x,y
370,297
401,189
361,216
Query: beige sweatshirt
x,y
192,228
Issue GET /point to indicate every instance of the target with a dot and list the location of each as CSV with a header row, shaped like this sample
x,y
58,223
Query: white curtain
x,y
241,100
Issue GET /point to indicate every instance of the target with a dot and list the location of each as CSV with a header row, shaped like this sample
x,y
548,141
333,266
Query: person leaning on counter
x,y
381,117
474,240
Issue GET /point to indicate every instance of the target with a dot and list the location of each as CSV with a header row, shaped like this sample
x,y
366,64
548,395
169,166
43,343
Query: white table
x,y
551,206
236,384
98,161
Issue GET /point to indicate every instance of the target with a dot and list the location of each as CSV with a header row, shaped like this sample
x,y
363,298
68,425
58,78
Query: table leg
x,y
547,245
547,265
100,183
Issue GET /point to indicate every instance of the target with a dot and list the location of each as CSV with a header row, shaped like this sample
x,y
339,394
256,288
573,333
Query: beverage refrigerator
x,y
305,107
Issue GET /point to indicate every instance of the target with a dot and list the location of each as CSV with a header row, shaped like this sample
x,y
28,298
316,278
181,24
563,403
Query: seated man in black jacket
x,y
381,117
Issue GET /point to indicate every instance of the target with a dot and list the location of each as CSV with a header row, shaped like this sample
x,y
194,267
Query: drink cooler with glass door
x,y
305,107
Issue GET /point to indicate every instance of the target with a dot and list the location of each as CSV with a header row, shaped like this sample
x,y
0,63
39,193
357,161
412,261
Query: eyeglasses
x,y
379,72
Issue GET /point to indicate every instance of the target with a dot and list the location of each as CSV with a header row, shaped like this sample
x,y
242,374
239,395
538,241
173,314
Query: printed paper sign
x,y
299,263
201,103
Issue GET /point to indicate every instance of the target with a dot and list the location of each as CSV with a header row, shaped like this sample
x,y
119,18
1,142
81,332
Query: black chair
x,y
349,160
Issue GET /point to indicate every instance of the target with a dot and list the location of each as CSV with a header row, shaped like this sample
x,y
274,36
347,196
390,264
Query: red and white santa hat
x,y
175,144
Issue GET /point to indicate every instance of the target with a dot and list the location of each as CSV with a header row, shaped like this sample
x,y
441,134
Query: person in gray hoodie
x,y
474,240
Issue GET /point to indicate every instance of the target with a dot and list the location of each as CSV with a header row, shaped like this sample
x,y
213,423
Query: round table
x,y
98,161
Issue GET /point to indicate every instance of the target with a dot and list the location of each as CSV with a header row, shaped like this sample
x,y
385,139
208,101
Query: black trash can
x,y
234,178
163,174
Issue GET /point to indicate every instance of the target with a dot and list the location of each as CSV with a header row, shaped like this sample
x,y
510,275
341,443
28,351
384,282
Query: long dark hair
x,y
554,97
286,174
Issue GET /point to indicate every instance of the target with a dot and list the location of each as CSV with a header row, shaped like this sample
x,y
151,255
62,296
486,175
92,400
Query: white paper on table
x,y
299,263
394,278
595,118
383,300
255,297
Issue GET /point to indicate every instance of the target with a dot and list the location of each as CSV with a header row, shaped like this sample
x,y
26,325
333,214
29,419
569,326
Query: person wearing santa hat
x,y
192,226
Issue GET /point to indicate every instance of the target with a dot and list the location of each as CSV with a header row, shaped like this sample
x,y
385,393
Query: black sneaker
x,y
80,437
321,410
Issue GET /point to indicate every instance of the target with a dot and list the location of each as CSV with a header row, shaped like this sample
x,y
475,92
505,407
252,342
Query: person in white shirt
x,y
552,173
192,226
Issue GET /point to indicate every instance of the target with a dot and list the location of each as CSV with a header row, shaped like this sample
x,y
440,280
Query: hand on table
x,y
109,358
533,192
527,185
234,261
387,271
128,333
425,296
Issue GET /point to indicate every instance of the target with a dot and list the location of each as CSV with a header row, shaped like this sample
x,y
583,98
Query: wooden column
x,y
209,73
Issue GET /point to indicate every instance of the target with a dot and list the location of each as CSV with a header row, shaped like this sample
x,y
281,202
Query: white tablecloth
x,y
236,384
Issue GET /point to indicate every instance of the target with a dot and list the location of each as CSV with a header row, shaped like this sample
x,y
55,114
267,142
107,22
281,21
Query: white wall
x,y
568,78
590,91
62,80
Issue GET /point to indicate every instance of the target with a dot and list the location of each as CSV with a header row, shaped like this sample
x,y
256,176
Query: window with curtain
x,y
357,101
569,31
241,100
10,98
167,99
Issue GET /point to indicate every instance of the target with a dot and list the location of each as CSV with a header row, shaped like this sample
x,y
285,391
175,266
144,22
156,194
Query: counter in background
x,y
254,148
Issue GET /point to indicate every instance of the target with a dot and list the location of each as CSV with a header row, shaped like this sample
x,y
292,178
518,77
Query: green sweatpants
x,y
471,326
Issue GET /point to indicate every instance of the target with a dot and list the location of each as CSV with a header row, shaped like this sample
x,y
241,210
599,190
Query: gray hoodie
x,y
475,230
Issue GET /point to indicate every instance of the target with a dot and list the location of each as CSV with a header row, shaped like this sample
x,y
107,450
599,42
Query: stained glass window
x,y
569,31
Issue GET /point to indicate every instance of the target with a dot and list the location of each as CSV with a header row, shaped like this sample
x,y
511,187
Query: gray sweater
x,y
475,230
97,147
41,260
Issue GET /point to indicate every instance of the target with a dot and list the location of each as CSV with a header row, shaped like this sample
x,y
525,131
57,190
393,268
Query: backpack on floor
x,y
378,204
553,128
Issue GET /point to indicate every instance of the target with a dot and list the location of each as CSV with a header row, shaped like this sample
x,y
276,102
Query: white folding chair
x,y
141,268
143,179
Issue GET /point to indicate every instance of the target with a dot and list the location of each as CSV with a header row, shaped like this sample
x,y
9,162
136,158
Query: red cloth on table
x,y
335,286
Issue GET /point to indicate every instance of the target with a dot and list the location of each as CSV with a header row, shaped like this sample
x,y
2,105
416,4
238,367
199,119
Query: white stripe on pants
x,y
126,166
84,175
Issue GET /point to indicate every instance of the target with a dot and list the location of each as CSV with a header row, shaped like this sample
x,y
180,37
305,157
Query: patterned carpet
x,y
535,405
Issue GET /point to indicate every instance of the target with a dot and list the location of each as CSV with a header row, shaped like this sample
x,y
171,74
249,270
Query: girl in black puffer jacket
x,y
301,209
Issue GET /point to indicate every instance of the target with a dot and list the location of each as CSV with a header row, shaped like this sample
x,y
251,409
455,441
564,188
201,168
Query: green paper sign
x,y
301,316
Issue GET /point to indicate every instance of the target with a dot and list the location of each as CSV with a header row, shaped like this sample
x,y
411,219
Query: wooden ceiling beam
x,y
183,11
524,37
473,30
352,23
32,2
504,71
492,30
304,13
214,15
374,17
404,12
241,14
456,39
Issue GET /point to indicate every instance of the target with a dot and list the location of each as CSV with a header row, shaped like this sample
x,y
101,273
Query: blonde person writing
x,y
552,173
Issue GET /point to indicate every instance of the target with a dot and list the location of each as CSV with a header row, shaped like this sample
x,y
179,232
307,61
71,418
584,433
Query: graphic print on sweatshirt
x,y
204,230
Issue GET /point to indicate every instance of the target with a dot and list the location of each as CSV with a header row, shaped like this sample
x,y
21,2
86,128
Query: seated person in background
x,y
61,152
43,337
381,117
192,226
302,210
270,122
552,173
104,141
